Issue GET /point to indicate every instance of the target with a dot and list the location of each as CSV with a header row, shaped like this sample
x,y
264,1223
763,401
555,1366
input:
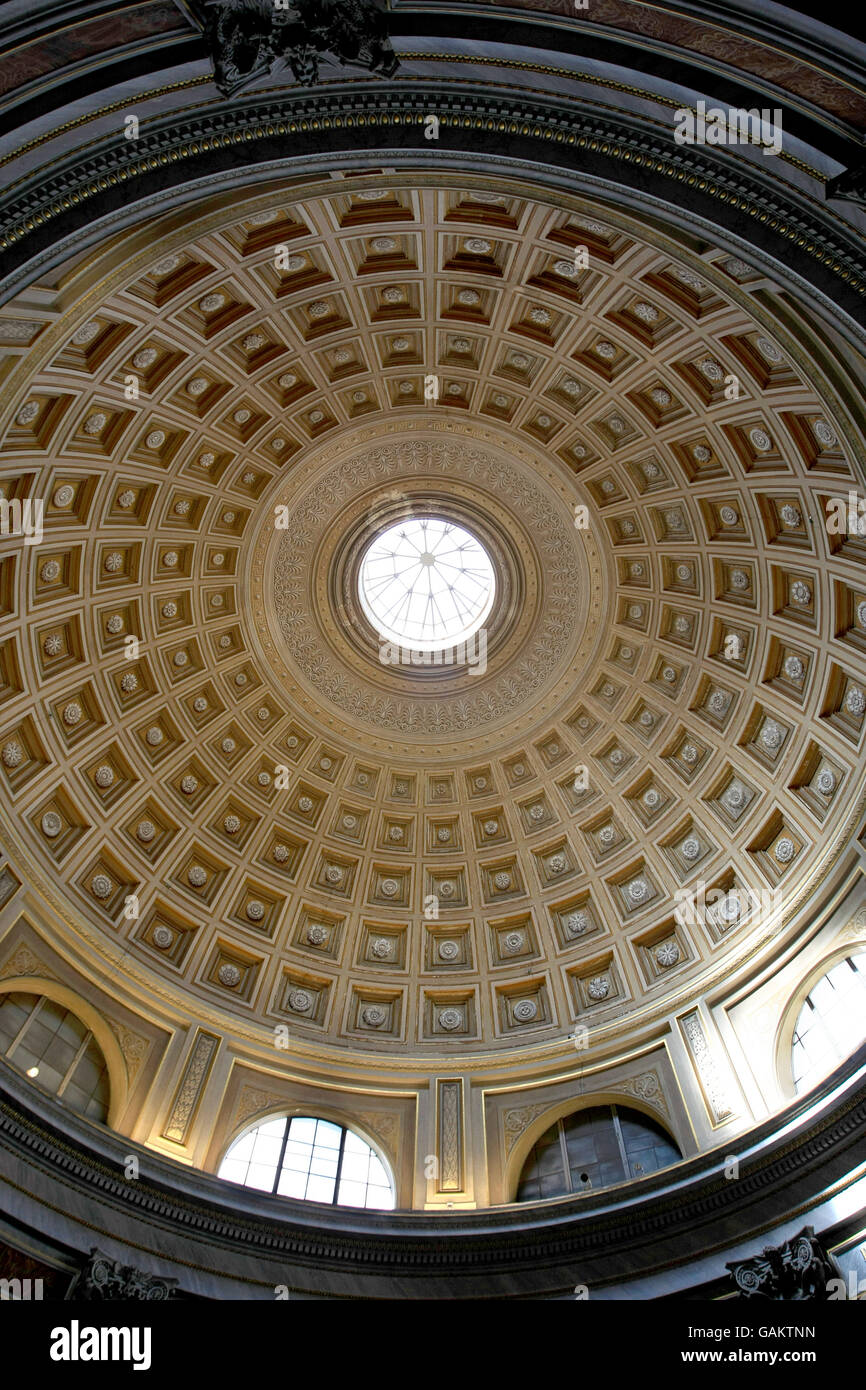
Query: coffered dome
x,y
228,789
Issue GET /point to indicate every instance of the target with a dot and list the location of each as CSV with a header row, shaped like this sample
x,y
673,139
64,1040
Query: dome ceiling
x,y
673,689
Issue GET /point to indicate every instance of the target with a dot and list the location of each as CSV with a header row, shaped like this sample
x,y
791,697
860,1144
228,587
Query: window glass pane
x,y
102,1092
261,1176
297,1163
49,1016
14,1009
544,1172
380,1198
88,1071
50,1036
607,1174
59,1054
312,1163
647,1146
267,1148
275,1128
37,1037
320,1189
48,1079
528,1191
97,1109
303,1129
822,994
378,1176
243,1148
831,1024
234,1170
71,1030
352,1194
426,582
598,1156
552,1186
328,1135
550,1159
355,1144
355,1167
324,1165
75,1098
292,1184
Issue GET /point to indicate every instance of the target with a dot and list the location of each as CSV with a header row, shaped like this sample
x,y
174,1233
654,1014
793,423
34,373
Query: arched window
x,y
831,1023
594,1148
310,1159
56,1050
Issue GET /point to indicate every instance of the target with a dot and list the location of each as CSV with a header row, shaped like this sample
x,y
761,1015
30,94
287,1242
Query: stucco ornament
x,y
247,37
344,685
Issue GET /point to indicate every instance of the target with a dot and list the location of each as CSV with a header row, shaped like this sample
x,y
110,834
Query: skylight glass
x,y
426,583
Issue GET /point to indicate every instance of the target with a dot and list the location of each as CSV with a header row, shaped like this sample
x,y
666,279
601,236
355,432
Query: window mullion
x,y
617,1129
339,1165
24,1026
70,1070
282,1154
563,1149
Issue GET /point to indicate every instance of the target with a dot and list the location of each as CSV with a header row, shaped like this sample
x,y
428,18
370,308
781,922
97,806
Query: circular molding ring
x,y
308,615
509,606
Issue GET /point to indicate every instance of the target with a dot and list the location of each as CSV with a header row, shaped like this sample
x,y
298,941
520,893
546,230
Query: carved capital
x,y
796,1272
849,186
108,1281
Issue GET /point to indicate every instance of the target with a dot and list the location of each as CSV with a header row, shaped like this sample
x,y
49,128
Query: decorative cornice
x,y
590,1228
98,182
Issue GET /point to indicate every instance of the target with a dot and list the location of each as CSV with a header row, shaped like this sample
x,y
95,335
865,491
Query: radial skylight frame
x,y
426,583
